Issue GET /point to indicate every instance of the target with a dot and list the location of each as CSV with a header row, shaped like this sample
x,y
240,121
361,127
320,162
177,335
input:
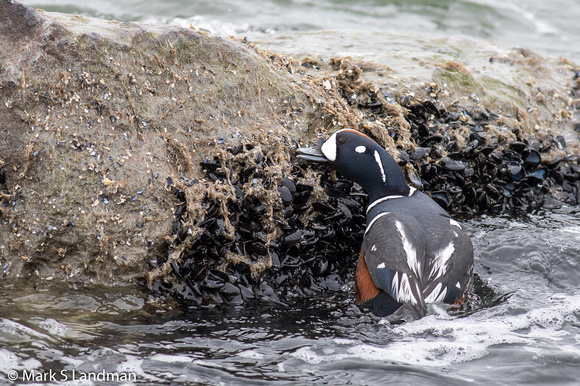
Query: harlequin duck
x,y
413,253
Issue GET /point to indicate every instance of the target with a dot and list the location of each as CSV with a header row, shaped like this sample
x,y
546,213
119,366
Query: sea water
x,y
528,333
549,27
531,334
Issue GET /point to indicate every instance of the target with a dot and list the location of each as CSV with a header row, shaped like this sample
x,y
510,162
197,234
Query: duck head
x,y
362,160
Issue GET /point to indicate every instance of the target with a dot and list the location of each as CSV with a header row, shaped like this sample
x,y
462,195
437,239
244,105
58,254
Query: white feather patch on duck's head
x,y
328,148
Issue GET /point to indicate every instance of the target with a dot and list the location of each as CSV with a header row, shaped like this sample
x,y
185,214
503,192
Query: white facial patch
x,y
360,149
380,163
328,148
381,266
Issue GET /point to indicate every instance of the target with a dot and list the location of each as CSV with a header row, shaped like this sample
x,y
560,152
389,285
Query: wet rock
x,y
314,238
232,214
150,87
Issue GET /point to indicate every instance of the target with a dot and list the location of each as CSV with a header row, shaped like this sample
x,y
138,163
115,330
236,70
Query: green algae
x,y
456,80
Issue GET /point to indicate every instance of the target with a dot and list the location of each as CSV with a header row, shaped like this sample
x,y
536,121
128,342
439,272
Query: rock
x,y
156,152
94,111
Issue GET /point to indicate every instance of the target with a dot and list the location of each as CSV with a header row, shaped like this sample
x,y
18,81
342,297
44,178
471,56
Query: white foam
x,y
251,354
54,328
343,341
201,23
439,340
573,229
9,327
11,361
134,365
171,358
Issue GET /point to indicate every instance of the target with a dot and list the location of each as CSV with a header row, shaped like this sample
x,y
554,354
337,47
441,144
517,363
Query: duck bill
x,y
311,154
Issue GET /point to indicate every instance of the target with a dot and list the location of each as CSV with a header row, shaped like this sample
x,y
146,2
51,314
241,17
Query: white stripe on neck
x,y
386,198
375,219
380,163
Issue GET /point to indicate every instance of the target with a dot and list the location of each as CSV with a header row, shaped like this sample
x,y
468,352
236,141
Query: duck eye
x,y
341,140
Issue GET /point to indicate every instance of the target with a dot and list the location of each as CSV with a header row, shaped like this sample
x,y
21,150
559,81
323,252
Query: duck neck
x,y
390,181
379,192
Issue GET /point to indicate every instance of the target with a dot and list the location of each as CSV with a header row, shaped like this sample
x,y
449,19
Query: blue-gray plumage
x,y
413,252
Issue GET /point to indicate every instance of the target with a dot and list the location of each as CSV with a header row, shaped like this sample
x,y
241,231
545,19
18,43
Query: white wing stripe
x,y
410,251
441,259
405,294
433,295
454,223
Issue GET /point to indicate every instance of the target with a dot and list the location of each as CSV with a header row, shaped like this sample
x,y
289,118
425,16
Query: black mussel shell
x,y
452,165
531,157
537,175
516,172
518,146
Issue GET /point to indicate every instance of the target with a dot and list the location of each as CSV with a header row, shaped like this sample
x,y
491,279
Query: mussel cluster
x,y
301,243
312,249
470,159
481,176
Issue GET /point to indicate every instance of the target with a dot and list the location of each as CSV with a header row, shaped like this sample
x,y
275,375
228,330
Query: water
x,y
549,27
527,331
